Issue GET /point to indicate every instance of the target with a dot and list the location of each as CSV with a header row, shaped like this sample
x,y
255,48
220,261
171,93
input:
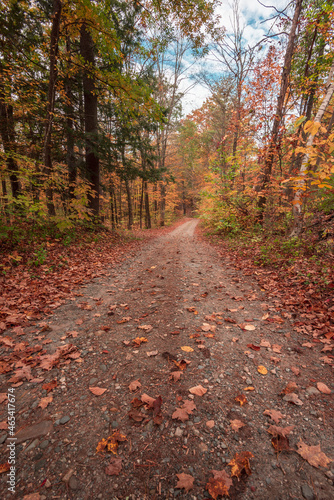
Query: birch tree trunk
x,y
297,201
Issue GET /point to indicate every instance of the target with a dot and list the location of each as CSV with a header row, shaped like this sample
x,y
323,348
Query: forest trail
x,y
175,320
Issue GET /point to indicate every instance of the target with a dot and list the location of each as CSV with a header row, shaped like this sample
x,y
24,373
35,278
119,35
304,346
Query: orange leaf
x,y
45,401
219,484
323,388
97,391
198,390
185,481
240,463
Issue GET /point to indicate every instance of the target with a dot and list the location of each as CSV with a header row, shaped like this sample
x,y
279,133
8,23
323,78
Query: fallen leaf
x,y
293,398
313,454
136,415
249,388
241,399
265,343
45,401
32,496
262,369
147,328
323,388
240,463
50,386
97,391
139,340
198,390
274,415
254,347
185,481
124,320
3,397
291,387
277,348
308,344
115,466
236,424
4,425
134,385
151,353
147,400
210,424
219,484
295,370
175,376
180,414
187,348
274,430
111,443
249,327
4,467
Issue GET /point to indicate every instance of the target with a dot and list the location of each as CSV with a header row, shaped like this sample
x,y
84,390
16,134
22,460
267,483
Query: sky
x,y
252,13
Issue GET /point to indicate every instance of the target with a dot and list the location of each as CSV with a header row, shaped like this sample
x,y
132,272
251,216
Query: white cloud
x,y
252,15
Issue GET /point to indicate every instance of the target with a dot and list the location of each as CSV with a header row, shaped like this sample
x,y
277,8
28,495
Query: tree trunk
x,y
297,201
112,207
57,6
162,203
148,224
141,205
70,117
130,212
279,112
91,124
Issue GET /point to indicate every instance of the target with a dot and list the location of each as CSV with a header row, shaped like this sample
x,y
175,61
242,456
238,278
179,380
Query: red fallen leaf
x,y
241,399
137,403
105,351
176,332
180,414
4,467
219,484
293,398
291,387
254,347
182,365
327,359
50,386
280,440
295,370
115,466
277,348
189,406
240,463
185,481
7,341
134,385
230,320
21,374
157,406
313,454
275,430
4,425
97,391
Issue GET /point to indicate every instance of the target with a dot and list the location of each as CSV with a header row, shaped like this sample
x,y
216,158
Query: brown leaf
x,y
97,391
139,340
157,406
185,481
3,397
323,388
136,415
151,353
180,414
236,424
277,348
210,424
111,443
182,365
274,415
148,400
265,343
198,390
4,467
124,320
134,385
295,370
293,398
147,328
274,430
175,376
313,454
240,463
45,401
115,466
219,484
189,406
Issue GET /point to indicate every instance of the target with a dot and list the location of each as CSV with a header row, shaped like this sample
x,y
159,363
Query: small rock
x,y
32,445
114,424
3,438
307,492
178,432
312,391
44,444
40,464
103,368
68,476
93,381
203,447
64,420
73,483
34,431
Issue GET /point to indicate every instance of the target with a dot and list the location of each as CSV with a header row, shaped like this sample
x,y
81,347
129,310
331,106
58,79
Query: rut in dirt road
x,y
174,321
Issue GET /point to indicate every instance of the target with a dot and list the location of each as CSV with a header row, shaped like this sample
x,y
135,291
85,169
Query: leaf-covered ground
x,y
178,372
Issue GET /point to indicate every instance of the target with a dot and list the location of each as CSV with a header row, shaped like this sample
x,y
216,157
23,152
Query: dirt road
x,y
200,327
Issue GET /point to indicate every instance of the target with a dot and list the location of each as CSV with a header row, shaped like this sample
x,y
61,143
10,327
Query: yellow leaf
x,y
187,348
262,369
249,388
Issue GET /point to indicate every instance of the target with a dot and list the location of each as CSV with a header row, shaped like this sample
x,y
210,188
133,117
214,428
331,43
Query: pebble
x,y
32,445
3,438
44,444
307,492
93,381
197,420
64,420
103,368
40,464
73,483
312,391
178,432
114,424
249,381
